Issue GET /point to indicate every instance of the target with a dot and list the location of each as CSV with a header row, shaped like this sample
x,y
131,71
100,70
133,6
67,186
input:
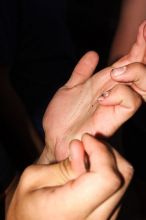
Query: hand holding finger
x,y
134,75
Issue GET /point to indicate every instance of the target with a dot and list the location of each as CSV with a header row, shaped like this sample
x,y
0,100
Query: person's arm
x,y
133,12
67,190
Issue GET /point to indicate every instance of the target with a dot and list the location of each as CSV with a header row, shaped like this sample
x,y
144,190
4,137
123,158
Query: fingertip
x,y
118,72
76,156
84,69
74,149
99,154
85,135
91,59
89,143
87,138
93,54
141,27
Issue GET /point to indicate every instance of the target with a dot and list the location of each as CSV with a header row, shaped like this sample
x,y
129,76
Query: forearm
x,y
133,12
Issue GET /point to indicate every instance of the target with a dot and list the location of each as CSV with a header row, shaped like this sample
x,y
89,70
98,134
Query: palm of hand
x,y
75,111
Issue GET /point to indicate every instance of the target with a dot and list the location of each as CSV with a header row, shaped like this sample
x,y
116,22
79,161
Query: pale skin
x,y
108,208
67,185
133,75
132,14
35,182
108,204
77,107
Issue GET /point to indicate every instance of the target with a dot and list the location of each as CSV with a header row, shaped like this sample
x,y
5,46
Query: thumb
x,y
84,69
41,176
72,167
137,52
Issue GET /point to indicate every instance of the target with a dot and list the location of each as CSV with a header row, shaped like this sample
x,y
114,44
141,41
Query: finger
x,y
111,206
41,176
84,69
70,168
116,213
77,158
123,101
133,74
93,187
126,171
96,149
138,51
124,166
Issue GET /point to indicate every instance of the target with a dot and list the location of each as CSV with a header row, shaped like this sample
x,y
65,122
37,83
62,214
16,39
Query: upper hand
x,y
75,108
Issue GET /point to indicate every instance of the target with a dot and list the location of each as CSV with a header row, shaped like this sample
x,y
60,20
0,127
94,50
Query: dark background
x,y
41,41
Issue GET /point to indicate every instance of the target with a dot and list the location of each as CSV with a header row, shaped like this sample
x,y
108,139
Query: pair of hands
x,y
97,105
67,191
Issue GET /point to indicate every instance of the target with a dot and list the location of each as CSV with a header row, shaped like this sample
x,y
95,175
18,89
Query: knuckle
x,y
117,180
26,175
127,172
113,180
135,101
26,172
139,67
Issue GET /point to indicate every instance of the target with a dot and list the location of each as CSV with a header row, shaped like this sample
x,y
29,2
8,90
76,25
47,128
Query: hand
x,y
134,74
68,191
75,109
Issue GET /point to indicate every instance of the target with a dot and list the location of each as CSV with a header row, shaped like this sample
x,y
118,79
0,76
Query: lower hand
x,y
67,190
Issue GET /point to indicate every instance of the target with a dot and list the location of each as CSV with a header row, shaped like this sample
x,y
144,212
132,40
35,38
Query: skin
x,y
65,177
132,14
66,185
41,185
134,75
70,117
44,177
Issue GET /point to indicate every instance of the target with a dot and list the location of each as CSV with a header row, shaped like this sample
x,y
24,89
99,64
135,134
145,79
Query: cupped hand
x,y
67,190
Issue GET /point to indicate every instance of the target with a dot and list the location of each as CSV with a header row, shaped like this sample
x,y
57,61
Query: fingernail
x,y
118,71
103,96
